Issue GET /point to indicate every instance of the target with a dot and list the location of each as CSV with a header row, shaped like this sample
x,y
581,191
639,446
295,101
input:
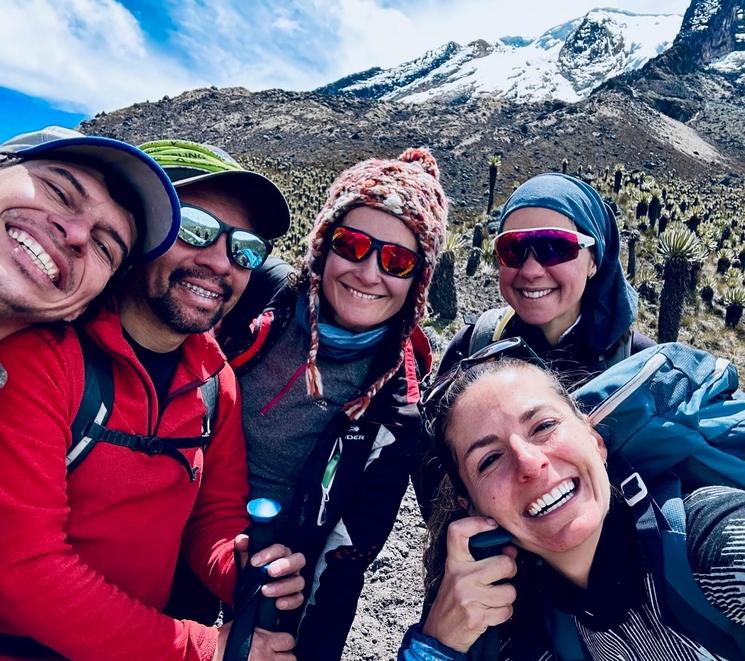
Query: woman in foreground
x,y
521,457
558,249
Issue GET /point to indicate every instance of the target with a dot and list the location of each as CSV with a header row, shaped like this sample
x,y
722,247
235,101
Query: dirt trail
x,y
392,597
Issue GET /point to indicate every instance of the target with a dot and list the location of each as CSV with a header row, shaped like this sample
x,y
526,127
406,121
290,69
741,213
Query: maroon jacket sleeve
x,y
46,590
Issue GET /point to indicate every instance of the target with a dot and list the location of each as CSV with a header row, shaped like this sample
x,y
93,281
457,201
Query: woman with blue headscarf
x,y
559,271
567,297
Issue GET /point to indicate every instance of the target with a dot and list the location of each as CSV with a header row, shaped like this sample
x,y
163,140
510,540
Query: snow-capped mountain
x,y
713,34
567,62
700,79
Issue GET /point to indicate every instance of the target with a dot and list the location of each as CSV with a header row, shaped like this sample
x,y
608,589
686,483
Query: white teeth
x,y
358,294
199,291
539,293
548,502
34,250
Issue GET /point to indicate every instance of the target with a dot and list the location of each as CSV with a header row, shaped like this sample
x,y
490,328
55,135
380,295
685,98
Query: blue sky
x,y
64,60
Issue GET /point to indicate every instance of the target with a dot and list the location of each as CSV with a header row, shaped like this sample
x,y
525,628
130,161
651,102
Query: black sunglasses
x,y
200,229
511,347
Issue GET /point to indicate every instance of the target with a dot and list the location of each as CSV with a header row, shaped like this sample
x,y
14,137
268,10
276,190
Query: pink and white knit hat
x,y
407,188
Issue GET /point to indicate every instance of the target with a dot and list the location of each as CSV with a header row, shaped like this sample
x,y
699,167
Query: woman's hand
x,y
468,602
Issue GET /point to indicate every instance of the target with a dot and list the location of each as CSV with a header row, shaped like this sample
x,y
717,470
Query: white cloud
x,y
87,55
234,45
371,35
286,25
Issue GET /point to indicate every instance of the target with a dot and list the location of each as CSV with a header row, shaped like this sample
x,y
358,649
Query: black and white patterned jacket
x,y
342,529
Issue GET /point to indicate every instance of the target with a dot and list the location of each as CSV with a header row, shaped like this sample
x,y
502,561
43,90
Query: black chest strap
x,y
89,425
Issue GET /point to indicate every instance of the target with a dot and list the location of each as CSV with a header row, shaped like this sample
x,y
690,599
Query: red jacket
x,y
86,564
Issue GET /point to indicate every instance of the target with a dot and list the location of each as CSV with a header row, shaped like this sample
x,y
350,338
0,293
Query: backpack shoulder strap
x,y
661,524
422,350
96,403
89,425
684,599
489,327
259,333
248,344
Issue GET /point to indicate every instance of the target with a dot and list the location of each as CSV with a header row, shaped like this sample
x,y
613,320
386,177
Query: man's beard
x,y
184,319
13,304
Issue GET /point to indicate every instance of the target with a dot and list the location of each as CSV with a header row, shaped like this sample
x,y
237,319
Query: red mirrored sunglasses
x,y
550,246
355,246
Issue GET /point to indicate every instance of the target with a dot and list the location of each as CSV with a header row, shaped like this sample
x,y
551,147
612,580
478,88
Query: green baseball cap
x,y
187,163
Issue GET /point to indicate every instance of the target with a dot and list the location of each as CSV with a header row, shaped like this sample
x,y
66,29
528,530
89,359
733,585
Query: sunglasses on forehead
x,y
200,229
550,246
355,245
511,347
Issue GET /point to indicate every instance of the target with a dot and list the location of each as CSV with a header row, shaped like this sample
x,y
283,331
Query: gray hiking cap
x,y
158,227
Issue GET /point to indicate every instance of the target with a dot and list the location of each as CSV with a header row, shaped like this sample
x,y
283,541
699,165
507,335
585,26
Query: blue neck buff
x,y
336,342
609,304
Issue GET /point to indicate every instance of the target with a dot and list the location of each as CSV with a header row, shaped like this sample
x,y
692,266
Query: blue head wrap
x,y
609,303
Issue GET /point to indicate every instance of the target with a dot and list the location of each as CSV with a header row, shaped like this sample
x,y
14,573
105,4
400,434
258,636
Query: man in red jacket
x,y
73,210
87,558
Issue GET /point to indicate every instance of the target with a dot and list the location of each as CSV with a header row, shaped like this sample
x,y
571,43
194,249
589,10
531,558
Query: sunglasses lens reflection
x,y
355,246
198,228
398,261
201,229
351,245
248,250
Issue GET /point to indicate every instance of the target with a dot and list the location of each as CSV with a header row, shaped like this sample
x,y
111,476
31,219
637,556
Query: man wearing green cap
x,y
73,210
99,517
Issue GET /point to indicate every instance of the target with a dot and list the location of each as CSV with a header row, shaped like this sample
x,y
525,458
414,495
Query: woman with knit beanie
x,y
559,272
329,382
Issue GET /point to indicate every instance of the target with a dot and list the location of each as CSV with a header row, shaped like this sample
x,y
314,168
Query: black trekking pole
x,y
252,608
480,546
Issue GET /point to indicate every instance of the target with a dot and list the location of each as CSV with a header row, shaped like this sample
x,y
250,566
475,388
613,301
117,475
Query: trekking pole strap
x,y
241,633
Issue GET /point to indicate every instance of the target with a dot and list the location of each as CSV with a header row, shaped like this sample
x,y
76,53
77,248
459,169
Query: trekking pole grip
x,y
252,608
262,512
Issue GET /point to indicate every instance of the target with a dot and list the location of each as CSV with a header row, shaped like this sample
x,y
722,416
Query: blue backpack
x,y
672,422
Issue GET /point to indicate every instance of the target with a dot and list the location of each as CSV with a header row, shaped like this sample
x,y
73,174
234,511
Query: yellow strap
x,y
499,328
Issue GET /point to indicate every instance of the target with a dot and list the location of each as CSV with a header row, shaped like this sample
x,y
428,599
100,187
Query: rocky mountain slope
x,y
566,62
700,80
305,130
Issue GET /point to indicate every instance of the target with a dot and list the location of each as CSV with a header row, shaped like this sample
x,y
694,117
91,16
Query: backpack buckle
x,y
151,445
633,489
